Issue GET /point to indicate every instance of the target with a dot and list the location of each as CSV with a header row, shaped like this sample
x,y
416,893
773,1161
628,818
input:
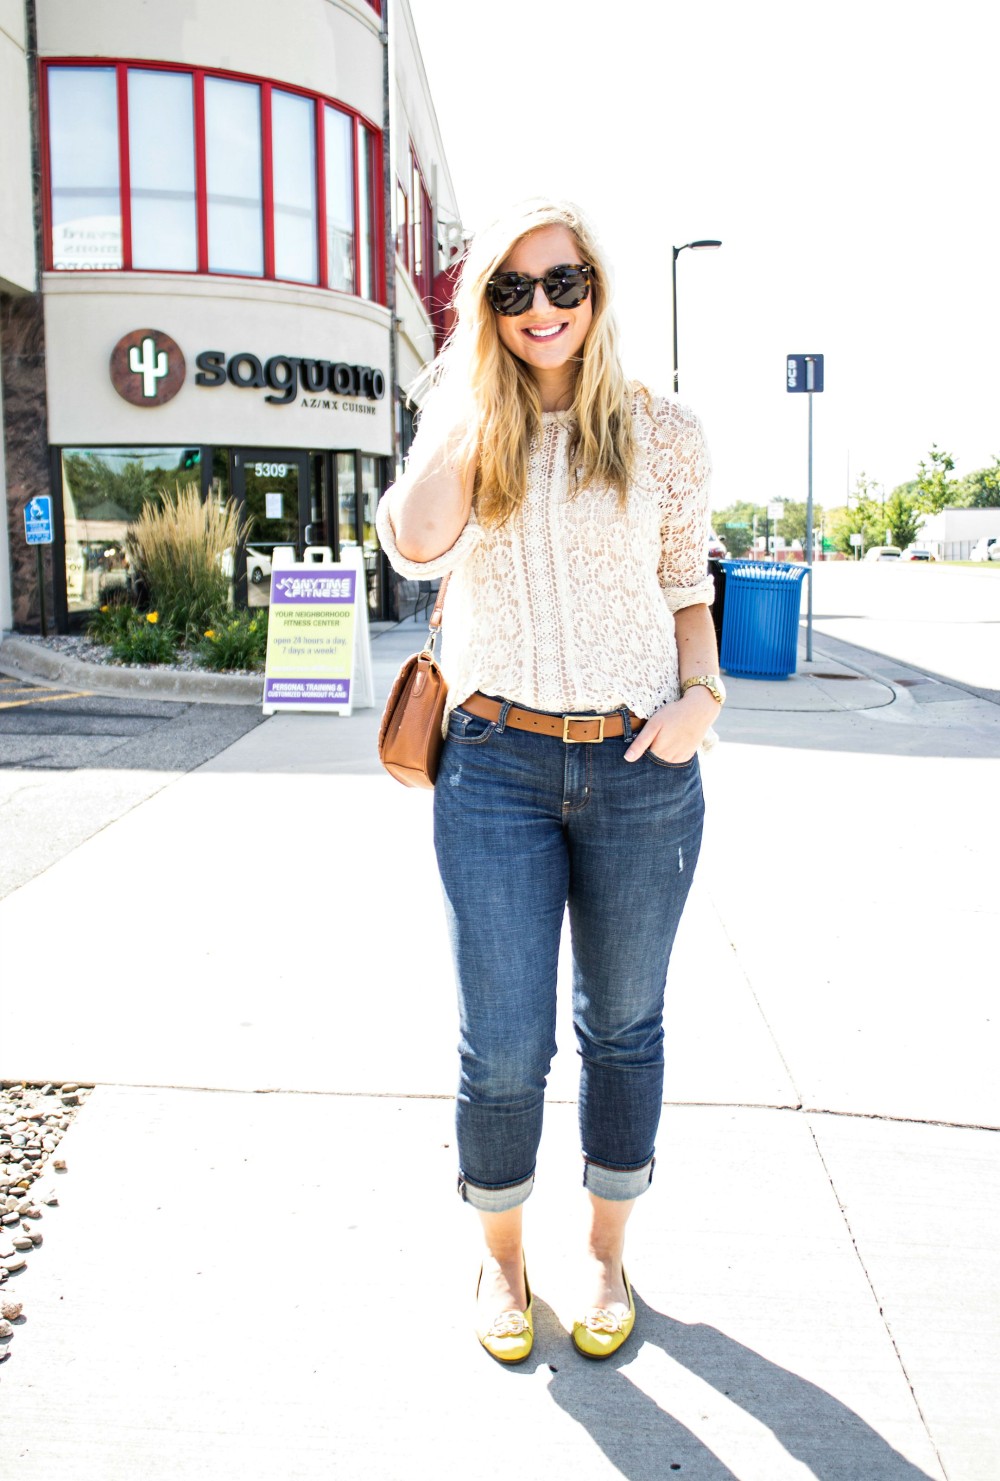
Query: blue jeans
x,y
523,826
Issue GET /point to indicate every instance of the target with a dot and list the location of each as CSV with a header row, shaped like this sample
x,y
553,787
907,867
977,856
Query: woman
x,y
571,508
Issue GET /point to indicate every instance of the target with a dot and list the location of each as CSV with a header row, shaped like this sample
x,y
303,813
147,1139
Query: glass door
x,y
272,492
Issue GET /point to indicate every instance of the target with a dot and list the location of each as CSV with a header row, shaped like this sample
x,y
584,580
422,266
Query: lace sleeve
x,y
463,547
681,469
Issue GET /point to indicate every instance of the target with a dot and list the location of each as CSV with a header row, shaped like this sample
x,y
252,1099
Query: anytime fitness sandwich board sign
x,y
317,651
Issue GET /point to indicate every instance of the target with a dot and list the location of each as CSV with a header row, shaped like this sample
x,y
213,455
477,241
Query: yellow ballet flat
x,y
510,1336
603,1331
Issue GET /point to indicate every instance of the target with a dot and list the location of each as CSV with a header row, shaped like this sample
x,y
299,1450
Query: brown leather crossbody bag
x,y
409,737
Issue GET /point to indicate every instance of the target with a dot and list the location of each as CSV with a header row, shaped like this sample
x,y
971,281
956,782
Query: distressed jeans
x,y
525,825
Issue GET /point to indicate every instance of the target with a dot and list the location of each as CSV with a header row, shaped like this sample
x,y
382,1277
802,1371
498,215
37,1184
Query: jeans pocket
x,y
469,730
671,765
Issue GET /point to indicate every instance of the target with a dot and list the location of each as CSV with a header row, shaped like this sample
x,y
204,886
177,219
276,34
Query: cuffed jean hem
x,y
617,1184
495,1200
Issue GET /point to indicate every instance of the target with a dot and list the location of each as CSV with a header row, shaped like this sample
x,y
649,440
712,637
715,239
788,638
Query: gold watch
x,y
711,682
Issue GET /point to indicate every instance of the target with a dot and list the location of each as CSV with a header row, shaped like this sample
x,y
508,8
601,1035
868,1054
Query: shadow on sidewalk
x,y
642,1440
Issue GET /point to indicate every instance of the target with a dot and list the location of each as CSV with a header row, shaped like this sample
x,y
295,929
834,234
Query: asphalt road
x,y
73,762
939,618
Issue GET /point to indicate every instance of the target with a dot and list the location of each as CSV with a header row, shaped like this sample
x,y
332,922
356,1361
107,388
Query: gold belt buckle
x,y
570,740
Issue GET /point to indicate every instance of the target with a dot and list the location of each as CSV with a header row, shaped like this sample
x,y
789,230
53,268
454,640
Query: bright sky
x,y
847,157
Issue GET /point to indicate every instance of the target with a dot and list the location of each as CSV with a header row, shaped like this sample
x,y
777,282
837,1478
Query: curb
x,y
23,660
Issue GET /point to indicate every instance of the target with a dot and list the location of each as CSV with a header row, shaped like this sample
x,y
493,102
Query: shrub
x,y
143,638
110,623
235,642
182,549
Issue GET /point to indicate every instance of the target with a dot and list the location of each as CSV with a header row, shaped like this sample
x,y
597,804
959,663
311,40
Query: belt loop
x,y
504,707
626,724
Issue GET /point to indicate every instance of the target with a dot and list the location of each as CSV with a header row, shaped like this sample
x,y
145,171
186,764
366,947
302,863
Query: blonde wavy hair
x,y
477,384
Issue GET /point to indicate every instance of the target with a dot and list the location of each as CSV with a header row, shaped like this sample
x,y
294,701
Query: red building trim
x,y
324,266
200,170
124,169
267,178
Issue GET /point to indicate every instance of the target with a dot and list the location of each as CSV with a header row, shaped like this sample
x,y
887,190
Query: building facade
x,y
227,221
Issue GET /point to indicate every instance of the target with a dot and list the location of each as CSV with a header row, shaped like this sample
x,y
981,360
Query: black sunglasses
x,y
565,287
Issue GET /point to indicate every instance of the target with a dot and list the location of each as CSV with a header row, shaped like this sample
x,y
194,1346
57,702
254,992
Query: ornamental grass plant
x,y
182,549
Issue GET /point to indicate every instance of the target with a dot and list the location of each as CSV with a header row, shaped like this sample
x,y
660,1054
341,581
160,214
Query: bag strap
x,y
436,619
438,613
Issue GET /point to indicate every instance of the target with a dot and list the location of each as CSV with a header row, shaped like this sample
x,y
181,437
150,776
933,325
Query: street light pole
x,y
697,247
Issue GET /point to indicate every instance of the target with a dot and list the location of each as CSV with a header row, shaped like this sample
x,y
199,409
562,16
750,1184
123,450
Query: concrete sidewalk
x,y
238,1283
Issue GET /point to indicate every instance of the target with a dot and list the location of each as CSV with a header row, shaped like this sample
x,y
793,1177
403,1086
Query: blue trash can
x,y
760,625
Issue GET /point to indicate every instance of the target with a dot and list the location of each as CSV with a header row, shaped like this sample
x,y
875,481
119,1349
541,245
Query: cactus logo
x,y
147,367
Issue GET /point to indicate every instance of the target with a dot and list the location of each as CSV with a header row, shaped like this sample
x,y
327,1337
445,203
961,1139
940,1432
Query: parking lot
x,y
72,761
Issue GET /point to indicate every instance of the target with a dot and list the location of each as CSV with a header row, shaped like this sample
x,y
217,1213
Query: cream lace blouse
x,y
569,606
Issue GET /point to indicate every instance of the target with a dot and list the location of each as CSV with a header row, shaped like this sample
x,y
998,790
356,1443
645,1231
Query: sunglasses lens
x,y
511,293
566,287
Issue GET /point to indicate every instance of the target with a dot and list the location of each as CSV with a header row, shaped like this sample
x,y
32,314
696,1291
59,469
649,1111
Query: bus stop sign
x,y
805,372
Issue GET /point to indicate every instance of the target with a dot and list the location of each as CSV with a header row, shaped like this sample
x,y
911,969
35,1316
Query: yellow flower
x,y
105,608
153,617
253,627
210,632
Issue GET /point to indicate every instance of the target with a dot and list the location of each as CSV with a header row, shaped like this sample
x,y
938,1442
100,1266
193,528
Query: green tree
x,y
734,526
793,525
864,516
981,489
935,490
902,517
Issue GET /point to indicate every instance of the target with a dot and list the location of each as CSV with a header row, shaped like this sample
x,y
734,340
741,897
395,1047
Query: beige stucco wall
x,y
17,238
329,46
85,316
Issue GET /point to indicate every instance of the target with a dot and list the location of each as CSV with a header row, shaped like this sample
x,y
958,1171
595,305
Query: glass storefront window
x,y
104,490
418,224
339,143
347,499
293,146
366,246
233,171
209,199
161,170
83,167
402,225
369,502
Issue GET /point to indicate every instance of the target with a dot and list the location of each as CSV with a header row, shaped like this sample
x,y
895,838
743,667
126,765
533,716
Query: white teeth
x,y
543,333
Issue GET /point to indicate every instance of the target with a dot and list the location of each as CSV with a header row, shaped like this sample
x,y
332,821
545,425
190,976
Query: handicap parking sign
x,y
38,520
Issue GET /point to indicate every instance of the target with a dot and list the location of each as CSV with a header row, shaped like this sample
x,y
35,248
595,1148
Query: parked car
x,y
883,553
986,548
915,554
258,564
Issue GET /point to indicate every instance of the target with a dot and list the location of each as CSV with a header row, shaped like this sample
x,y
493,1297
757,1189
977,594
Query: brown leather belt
x,y
575,730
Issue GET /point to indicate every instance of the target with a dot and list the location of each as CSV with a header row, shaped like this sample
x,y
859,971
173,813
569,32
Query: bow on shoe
x,y
508,1324
601,1319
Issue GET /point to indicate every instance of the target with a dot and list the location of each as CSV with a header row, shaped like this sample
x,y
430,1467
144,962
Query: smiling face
x,y
547,339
